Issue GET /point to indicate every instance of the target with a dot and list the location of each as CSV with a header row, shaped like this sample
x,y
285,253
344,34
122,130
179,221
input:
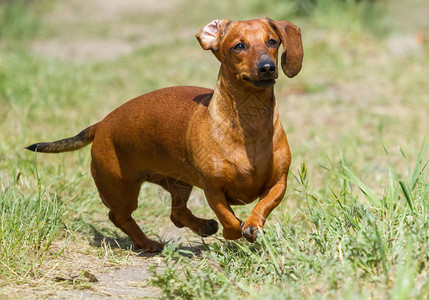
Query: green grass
x,y
29,224
354,220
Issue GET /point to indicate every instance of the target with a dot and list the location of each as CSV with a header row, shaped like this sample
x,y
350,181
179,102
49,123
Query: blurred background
x,y
363,92
66,64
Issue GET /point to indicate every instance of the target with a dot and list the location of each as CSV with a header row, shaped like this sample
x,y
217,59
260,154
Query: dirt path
x,y
99,271
100,30
122,283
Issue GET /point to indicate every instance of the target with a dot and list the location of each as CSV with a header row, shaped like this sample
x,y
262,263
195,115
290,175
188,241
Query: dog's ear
x,y
210,35
292,54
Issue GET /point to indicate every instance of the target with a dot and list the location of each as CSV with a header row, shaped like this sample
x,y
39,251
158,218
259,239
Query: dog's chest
x,y
246,175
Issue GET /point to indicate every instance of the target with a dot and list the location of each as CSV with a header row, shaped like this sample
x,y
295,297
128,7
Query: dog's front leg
x,y
269,200
218,203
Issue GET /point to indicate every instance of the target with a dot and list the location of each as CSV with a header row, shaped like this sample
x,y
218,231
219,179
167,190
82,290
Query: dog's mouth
x,y
265,83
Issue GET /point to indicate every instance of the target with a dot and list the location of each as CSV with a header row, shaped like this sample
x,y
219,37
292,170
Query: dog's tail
x,y
82,139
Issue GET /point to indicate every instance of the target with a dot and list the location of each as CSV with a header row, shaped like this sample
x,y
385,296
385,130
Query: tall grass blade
x,y
407,195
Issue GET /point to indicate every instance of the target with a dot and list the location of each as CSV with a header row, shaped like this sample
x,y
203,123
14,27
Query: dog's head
x,y
249,49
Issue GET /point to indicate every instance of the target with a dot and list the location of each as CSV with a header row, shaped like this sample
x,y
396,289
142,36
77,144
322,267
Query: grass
x,y
344,242
28,226
354,220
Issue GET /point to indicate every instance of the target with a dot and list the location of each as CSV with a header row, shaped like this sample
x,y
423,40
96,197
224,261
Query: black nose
x,y
266,67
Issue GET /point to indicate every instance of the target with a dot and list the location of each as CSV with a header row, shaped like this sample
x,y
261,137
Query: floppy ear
x,y
292,54
210,35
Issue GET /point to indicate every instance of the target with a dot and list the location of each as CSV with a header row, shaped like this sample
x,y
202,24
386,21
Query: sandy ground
x,y
82,273
113,28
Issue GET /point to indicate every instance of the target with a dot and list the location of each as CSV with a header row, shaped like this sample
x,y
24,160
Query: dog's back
x,y
149,132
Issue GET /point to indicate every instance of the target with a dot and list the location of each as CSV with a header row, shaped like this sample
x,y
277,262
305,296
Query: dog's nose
x,y
266,67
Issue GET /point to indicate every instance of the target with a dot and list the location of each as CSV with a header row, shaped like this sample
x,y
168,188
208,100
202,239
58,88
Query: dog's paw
x,y
150,247
208,227
250,233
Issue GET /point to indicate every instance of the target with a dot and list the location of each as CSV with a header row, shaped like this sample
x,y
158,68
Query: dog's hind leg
x,y
180,214
121,197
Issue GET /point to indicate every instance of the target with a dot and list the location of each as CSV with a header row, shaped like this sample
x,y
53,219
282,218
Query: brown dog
x,y
228,141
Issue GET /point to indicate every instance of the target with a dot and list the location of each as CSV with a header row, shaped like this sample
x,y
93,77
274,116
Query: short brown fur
x,y
228,141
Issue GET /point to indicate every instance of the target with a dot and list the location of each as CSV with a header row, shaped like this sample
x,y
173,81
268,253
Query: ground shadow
x,y
193,248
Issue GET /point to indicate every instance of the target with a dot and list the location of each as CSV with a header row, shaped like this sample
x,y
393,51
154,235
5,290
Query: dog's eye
x,y
239,47
272,43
